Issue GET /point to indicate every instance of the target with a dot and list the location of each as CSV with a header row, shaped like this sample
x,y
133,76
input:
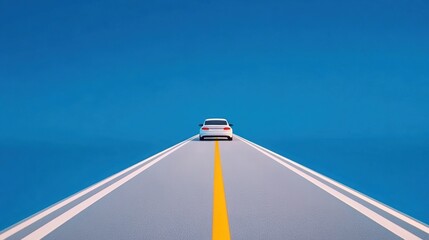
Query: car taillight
x,y
226,128
205,128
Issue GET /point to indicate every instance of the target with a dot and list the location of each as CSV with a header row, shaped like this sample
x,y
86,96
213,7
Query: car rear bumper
x,y
214,133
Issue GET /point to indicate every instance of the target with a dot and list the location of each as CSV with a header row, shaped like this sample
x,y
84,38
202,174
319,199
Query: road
x,y
218,190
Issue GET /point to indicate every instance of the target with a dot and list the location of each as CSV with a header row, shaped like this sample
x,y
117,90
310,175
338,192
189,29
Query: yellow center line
x,y
220,227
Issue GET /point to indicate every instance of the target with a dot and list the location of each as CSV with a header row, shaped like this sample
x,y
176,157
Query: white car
x,y
216,127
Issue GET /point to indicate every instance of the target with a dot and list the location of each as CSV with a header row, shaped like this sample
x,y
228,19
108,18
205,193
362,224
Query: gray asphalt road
x,y
170,196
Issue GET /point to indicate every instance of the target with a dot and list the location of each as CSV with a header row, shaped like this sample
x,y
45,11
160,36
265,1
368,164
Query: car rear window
x,y
215,122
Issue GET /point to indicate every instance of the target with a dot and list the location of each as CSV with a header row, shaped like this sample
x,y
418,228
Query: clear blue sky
x,y
285,72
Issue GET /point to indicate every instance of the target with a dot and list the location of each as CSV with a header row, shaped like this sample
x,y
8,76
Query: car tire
x,y
229,138
201,138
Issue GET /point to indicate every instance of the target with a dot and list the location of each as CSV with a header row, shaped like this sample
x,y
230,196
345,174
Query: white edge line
x,y
394,228
60,220
26,222
375,203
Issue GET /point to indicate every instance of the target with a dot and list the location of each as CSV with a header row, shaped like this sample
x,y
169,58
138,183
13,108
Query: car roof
x,y
209,119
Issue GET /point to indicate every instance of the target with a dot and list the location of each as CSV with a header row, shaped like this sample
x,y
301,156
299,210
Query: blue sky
x,y
97,74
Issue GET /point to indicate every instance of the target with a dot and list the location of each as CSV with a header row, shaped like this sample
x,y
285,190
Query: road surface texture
x,y
218,190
